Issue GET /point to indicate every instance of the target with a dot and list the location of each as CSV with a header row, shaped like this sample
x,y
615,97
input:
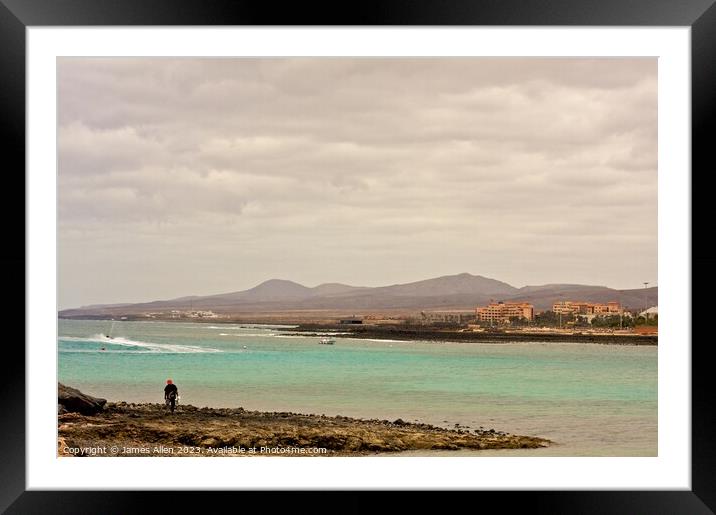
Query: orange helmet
x,y
169,381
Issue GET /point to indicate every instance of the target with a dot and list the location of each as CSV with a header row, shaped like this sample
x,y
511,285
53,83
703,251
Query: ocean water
x,y
591,400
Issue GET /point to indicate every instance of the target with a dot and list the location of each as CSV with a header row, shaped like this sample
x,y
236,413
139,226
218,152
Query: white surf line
x,y
161,347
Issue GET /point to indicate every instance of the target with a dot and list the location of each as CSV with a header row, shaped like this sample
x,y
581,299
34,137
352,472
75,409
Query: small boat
x,y
327,341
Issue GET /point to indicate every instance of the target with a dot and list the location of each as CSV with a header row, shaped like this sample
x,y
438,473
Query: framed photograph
x,y
420,252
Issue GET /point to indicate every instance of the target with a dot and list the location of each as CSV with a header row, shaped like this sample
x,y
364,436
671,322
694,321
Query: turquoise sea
x,y
591,400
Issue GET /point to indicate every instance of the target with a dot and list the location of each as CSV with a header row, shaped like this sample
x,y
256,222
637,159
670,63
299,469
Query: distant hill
x,y
542,297
461,284
462,291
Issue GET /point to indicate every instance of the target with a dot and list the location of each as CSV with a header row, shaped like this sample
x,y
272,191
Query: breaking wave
x,y
168,348
243,335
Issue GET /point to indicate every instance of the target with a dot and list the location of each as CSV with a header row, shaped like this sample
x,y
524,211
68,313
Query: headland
x,y
127,429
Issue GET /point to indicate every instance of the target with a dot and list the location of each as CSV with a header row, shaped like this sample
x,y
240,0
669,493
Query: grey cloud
x,y
320,169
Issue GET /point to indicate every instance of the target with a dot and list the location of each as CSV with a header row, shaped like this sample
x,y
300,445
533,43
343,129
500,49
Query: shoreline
x,y
423,333
146,429
429,334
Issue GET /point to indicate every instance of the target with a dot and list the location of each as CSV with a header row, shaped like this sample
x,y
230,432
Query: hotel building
x,y
502,312
586,308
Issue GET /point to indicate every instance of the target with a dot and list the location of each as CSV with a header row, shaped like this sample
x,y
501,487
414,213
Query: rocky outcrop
x,y
73,400
414,333
123,428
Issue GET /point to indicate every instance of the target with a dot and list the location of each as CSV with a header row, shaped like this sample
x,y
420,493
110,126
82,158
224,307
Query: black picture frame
x,y
17,15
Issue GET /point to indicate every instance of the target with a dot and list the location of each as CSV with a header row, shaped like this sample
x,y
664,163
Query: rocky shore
x,y
452,335
125,429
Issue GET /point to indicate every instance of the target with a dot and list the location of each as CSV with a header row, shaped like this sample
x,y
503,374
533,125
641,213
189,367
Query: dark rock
x,y
74,400
399,422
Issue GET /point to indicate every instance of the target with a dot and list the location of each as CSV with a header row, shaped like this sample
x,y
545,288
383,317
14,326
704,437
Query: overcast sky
x,y
201,176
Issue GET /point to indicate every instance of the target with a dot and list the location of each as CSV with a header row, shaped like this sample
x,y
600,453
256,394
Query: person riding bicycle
x,y
170,394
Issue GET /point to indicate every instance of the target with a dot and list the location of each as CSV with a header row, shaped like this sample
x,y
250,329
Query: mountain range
x,y
462,291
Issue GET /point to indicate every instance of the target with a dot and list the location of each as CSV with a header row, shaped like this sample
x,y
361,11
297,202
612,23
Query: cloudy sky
x,y
201,176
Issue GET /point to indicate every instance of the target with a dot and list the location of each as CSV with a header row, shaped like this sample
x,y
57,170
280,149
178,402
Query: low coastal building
x,y
447,317
504,312
569,307
176,313
351,321
652,312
